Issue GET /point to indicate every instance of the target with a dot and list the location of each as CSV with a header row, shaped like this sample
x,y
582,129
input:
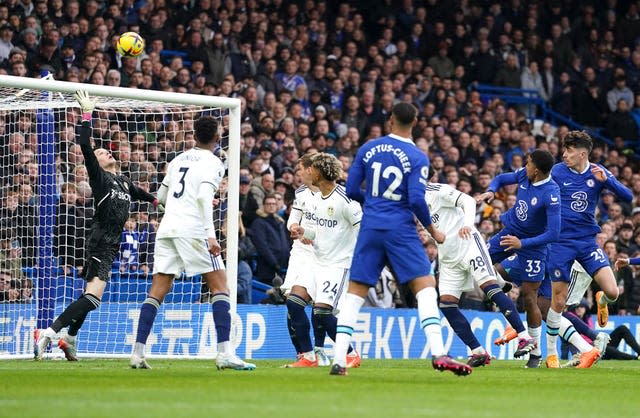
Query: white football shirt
x,y
302,213
337,224
184,176
447,215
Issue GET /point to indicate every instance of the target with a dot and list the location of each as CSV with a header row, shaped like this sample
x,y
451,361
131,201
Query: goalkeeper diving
x,y
113,194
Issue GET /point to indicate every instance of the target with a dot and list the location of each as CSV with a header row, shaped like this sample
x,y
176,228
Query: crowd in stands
x,y
323,76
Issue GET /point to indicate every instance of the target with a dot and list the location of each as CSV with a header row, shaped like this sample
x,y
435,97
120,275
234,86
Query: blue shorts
x,y
513,268
401,249
564,252
532,261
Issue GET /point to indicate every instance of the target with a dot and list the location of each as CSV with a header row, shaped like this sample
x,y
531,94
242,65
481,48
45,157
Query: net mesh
x,y
47,208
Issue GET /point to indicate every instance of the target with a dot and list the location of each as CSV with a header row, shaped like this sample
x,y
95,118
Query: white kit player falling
x,y
186,241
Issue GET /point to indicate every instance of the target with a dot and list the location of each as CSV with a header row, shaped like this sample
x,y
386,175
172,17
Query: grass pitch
x,y
381,388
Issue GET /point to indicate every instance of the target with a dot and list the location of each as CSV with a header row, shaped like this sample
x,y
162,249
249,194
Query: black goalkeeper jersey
x,y
112,195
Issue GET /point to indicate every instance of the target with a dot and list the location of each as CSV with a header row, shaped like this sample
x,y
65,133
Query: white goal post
x,y
28,98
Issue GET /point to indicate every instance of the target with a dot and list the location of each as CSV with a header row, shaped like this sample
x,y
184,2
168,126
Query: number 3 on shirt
x,y
386,174
183,170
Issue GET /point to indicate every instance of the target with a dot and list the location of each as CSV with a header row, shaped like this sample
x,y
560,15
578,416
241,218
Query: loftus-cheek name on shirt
x,y
404,159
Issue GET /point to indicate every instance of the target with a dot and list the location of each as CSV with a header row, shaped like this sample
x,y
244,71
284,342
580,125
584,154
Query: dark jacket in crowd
x,y
269,235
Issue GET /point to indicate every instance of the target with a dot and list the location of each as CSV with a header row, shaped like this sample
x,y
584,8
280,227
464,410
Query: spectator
x,y
6,44
621,123
619,92
128,259
10,255
509,74
269,235
262,187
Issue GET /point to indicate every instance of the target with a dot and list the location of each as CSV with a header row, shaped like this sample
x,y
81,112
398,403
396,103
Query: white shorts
x,y
580,282
191,255
299,271
475,265
328,284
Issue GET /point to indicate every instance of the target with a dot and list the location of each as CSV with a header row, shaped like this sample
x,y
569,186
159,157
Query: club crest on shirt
x,y
590,183
534,201
126,186
330,211
521,210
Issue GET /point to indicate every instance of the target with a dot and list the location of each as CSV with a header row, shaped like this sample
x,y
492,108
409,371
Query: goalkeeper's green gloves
x,y
87,104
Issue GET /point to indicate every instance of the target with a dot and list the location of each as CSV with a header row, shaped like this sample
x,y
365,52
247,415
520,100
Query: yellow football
x,y
130,44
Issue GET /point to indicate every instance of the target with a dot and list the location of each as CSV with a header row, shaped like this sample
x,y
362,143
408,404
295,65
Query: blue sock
x,y
580,326
300,321
506,306
222,316
292,334
329,323
459,324
319,333
148,313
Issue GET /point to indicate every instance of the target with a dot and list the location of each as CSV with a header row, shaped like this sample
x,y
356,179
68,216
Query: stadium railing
x,y
532,99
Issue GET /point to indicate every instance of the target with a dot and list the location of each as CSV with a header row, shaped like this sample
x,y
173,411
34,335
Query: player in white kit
x,y
186,241
301,260
333,233
463,258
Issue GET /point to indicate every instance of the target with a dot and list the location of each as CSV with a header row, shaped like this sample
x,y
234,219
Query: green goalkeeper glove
x,y
87,104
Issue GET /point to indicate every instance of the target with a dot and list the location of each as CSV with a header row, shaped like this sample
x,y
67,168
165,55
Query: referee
x,y
113,193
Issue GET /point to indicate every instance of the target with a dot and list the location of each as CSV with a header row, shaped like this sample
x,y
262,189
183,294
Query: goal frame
x,y
169,98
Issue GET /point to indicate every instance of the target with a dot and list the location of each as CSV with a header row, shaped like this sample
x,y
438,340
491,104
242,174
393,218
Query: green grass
x,y
381,388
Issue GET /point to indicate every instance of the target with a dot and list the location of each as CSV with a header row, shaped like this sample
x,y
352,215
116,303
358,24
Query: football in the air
x,y
130,44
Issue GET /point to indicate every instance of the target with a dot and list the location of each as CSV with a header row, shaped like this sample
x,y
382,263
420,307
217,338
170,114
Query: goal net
x,y
46,210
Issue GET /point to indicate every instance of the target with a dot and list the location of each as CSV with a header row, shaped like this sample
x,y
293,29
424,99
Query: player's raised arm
x,y
87,105
503,179
611,182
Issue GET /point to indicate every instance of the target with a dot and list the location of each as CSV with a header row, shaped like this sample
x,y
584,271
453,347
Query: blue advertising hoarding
x,y
259,332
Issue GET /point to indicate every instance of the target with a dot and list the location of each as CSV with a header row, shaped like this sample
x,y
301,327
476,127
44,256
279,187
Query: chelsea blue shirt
x,y
395,172
535,218
579,194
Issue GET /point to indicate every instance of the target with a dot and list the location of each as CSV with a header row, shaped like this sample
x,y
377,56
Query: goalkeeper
x,y
113,193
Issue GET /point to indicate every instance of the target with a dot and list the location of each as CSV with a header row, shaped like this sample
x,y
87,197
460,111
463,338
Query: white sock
x,y
553,325
535,334
524,334
49,332
310,355
224,347
569,333
429,316
478,350
347,319
138,349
